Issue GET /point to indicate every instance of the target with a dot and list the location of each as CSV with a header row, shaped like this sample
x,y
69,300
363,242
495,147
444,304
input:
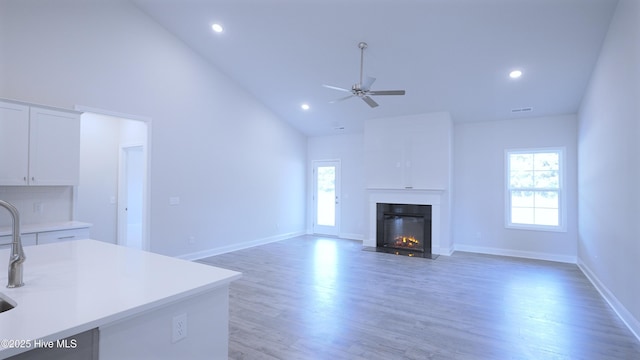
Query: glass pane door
x,y
326,196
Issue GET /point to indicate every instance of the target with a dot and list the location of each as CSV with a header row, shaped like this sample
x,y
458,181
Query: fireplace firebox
x,y
404,229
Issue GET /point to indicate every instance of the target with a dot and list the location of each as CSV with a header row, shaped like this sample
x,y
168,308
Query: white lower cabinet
x,y
48,234
50,237
27,239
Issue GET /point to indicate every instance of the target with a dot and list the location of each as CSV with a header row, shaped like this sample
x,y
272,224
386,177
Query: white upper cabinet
x,y
14,144
54,147
410,152
40,146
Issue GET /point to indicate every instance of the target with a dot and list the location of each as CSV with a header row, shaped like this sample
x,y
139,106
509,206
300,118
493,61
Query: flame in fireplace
x,y
406,241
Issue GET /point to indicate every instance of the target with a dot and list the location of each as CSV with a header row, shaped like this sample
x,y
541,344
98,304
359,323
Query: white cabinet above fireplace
x,y
411,152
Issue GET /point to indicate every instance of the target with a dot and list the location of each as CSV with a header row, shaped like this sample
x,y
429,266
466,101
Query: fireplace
x,y
404,229
439,204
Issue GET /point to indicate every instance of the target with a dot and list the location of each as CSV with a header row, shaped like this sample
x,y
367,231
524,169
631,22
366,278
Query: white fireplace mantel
x,y
433,197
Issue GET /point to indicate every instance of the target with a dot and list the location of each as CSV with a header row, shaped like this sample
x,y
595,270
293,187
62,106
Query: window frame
x,y
562,215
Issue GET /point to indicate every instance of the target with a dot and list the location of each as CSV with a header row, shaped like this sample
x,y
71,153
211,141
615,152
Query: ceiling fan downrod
x,y
362,45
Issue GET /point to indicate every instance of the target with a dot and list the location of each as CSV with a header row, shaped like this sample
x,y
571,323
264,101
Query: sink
x,y
6,303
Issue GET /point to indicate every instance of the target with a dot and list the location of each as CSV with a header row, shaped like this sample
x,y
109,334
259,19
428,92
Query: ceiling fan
x,y
363,89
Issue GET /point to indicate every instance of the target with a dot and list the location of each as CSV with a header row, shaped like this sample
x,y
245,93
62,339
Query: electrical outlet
x,y
179,328
38,207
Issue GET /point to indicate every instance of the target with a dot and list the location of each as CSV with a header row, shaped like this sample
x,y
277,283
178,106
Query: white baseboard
x,y
442,251
349,236
632,323
516,253
240,246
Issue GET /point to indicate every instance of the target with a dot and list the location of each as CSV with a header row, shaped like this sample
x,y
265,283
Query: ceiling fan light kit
x,y
363,89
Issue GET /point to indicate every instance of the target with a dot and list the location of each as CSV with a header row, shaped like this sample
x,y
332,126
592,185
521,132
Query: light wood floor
x,y
324,298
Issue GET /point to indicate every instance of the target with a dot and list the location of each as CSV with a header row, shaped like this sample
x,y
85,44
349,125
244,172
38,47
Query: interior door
x,y
326,197
131,197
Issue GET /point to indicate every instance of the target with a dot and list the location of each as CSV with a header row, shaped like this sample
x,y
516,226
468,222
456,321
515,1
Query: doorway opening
x,y
113,193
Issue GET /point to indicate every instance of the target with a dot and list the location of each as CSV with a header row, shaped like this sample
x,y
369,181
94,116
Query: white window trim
x,y
562,196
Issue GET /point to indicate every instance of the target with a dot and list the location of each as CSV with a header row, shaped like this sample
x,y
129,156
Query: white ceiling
x,y
449,55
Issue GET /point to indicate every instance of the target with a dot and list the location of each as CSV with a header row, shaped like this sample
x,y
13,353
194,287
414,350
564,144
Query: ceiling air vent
x,y
522,110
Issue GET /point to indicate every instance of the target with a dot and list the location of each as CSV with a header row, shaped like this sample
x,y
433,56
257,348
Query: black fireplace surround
x,y
404,229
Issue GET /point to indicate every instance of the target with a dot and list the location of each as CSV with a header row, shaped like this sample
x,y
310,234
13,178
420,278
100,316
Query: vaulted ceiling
x,y
449,55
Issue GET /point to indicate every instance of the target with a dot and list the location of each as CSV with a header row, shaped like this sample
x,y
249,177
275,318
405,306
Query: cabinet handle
x,y
24,179
33,178
66,237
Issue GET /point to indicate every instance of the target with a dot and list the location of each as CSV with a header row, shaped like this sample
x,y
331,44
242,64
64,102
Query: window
x,y
535,198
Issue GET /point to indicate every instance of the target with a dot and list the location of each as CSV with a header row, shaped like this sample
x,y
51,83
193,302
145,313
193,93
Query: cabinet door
x,y
27,239
430,156
384,160
14,143
54,147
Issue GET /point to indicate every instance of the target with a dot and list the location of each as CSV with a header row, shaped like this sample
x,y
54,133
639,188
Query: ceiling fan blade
x,y
341,99
370,101
366,85
386,92
335,88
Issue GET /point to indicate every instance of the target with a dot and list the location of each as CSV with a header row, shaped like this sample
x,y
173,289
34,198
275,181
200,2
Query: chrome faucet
x,y
17,253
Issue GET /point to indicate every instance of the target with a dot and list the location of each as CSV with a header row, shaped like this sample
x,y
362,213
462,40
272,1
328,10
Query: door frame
x,y
320,229
147,151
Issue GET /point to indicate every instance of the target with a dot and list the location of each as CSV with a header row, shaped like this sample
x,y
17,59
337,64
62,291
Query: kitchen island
x,y
143,305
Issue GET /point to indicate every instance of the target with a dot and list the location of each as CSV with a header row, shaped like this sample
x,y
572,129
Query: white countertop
x,y
51,226
74,286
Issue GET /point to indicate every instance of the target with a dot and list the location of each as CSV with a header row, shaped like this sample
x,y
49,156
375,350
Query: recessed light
x,y
515,74
305,106
217,28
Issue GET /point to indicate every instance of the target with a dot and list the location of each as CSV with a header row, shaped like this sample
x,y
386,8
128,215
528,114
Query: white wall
x,y
239,170
133,131
479,183
609,168
349,148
